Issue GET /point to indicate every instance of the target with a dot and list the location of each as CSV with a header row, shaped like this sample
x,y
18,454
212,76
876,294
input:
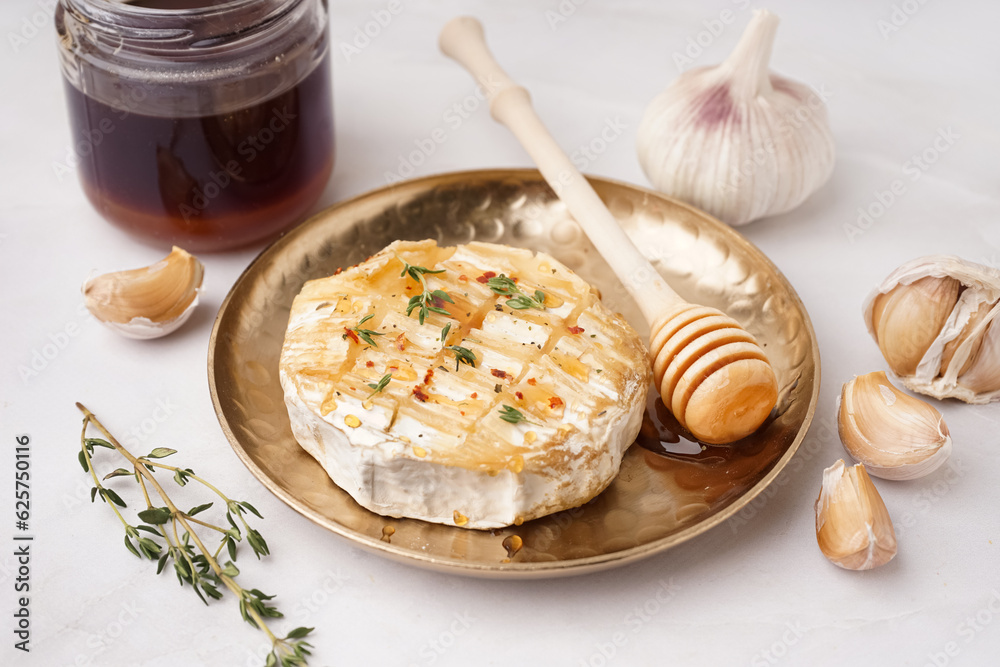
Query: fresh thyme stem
x,y
206,483
429,301
206,524
144,472
194,565
145,493
187,556
93,474
193,476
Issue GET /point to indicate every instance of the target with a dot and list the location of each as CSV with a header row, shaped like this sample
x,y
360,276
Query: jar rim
x,y
184,62
123,25
126,8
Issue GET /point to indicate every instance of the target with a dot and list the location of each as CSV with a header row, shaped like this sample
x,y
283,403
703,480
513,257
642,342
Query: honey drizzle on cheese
x,y
379,290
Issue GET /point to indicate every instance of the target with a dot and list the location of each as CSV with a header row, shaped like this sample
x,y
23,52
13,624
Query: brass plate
x,y
659,499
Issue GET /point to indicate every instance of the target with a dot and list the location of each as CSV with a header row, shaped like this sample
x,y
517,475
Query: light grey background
x,y
755,591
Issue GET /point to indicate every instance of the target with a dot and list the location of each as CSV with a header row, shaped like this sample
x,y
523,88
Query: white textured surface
x,y
754,591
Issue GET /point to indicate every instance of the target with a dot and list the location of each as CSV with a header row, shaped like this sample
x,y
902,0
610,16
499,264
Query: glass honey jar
x,y
202,123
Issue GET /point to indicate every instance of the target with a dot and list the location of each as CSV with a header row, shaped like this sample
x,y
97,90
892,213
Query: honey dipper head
x,y
712,374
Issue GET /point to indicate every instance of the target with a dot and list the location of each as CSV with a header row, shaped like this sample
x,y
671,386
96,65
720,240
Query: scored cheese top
x,y
536,423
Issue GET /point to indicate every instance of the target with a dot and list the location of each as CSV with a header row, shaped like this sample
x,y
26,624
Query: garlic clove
x,y
853,528
149,302
893,434
921,294
971,336
983,376
910,317
737,140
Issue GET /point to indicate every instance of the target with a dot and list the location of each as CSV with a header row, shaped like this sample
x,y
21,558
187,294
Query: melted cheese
x,y
431,444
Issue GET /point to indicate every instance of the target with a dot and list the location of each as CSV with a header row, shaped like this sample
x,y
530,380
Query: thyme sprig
x,y
174,538
512,415
417,272
364,334
516,299
429,301
376,387
463,355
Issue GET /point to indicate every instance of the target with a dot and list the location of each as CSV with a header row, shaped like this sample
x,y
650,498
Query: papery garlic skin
x,y
853,527
962,359
737,140
149,302
893,434
984,374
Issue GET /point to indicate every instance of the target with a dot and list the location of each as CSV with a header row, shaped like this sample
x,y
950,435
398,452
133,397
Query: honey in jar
x,y
198,123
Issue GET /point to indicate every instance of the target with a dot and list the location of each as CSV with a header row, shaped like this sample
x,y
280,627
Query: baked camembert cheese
x,y
478,386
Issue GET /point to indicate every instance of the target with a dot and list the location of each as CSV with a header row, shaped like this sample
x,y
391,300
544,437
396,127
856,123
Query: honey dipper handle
x,y
710,373
463,40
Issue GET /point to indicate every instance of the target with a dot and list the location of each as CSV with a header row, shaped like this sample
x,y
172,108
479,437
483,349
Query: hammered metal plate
x,y
670,489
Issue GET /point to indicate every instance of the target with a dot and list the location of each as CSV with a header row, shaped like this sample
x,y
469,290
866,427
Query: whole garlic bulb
x,y
149,302
737,140
893,434
936,320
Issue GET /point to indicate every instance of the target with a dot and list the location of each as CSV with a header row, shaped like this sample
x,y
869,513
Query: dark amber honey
x,y
201,123
208,182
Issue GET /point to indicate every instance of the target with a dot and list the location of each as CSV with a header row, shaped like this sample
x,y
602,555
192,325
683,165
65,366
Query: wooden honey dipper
x,y
710,372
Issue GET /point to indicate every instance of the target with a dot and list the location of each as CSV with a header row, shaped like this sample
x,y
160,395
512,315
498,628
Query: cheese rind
x,y
432,443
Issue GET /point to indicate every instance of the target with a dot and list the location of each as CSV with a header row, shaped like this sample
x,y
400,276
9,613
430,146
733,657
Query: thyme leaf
x,y
516,299
376,387
429,301
512,415
463,355
417,272
363,334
